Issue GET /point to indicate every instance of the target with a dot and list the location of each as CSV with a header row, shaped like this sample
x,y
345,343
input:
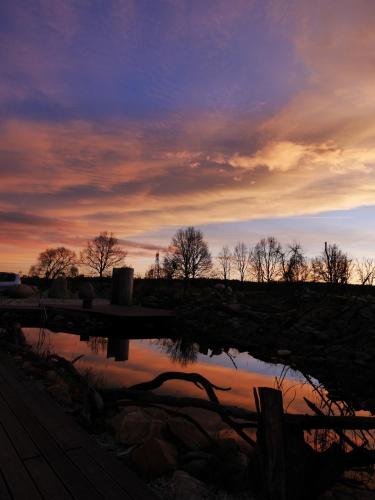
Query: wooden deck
x,y
44,454
99,307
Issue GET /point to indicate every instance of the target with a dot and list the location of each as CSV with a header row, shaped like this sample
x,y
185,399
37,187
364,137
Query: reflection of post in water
x,y
118,349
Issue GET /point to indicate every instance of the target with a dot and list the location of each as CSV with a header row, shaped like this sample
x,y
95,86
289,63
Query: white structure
x,y
9,279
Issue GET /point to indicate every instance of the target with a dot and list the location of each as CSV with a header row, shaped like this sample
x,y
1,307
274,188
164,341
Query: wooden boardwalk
x,y
99,307
44,454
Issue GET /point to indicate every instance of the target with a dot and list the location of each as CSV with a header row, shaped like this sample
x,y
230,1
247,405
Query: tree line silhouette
x,y
188,257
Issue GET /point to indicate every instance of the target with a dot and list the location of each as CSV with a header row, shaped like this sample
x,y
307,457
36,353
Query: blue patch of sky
x,y
142,72
351,229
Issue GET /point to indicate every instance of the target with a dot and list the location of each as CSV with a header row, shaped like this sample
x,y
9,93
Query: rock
x,y
186,487
30,369
86,291
225,434
234,307
235,323
226,446
59,289
51,376
204,466
61,393
154,458
200,469
196,455
186,434
21,291
220,287
284,353
136,427
98,401
235,472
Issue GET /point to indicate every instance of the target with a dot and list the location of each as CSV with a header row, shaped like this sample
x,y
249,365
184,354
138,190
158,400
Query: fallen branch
x,y
341,434
180,402
197,379
77,358
225,412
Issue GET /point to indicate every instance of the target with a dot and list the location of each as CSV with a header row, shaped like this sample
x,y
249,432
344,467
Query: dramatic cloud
x,y
140,117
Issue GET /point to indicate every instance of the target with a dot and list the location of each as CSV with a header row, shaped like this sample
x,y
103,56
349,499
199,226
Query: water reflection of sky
x,y
148,358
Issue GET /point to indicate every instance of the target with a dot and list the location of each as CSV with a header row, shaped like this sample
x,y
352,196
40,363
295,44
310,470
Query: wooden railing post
x,y
271,438
122,286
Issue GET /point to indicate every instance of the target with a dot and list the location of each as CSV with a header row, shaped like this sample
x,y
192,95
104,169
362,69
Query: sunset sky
x,y
241,117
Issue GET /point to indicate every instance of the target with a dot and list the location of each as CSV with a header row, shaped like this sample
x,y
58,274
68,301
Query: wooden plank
x,y
4,492
77,484
60,432
136,312
97,476
63,427
48,483
125,477
17,434
272,440
69,436
18,480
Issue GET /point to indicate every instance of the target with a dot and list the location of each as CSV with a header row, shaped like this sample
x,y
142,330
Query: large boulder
x,y
202,465
59,289
186,434
154,458
186,487
136,427
21,291
60,392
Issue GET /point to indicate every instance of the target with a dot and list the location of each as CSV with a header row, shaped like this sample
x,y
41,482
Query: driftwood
x,y
225,412
179,402
307,422
197,379
139,393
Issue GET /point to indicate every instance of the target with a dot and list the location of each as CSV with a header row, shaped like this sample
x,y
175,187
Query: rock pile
x,y
162,444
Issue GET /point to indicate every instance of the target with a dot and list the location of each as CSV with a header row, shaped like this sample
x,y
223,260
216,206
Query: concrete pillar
x,y
122,286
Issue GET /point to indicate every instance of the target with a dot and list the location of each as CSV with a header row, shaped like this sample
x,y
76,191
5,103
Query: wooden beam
x,y
271,438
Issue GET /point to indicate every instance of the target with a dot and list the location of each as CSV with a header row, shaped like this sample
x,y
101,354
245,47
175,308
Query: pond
x,y
123,362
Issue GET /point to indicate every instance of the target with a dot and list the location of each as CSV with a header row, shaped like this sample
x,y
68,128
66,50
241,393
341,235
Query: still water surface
x,y
122,363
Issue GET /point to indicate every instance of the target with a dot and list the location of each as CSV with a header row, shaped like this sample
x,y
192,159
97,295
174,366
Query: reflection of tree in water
x,y
180,351
98,344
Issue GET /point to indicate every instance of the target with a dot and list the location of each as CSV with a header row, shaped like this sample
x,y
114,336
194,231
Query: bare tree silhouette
x,y
294,264
225,259
54,262
241,259
188,255
102,253
332,266
366,271
266,260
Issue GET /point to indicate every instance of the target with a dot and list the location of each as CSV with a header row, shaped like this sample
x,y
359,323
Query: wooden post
x,y
272,443
118,349
122,286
